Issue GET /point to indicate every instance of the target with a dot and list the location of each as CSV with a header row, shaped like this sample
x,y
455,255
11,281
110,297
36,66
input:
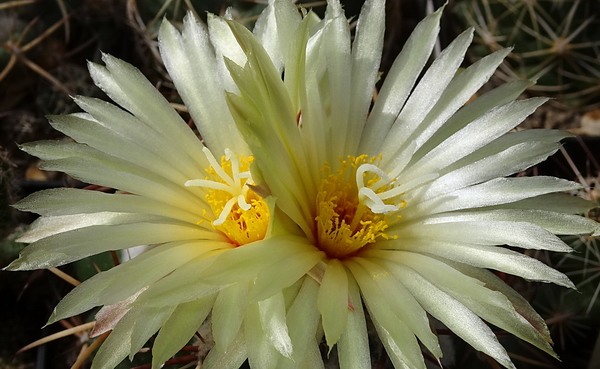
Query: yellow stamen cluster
x,y
240,226
238,212
345,224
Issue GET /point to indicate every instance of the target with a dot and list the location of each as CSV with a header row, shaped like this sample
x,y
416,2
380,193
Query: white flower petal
x,y
490,305
518,234
72,201
481,256
338,58
556,223
519,303
401,343
557,202
273,321
453,314
244,263
95,135
73,245
473,136
92,166
230,358
261,353
226,47
506,162
183,284
458,92
498,96
191,62
154,318
425,95
128,87
228,314
51,225
116,347
353,346
493,192
366,55
283,274
177,330
332,301
107,288
302,320
402,303
399,82
127,127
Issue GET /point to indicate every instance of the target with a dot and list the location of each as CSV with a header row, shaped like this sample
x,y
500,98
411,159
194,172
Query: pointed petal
x,y
230,358
128,87
399,82
73,245
179,328
191,62
366,56
244,263
491,257
146,326
427,93
302,320
282,274
71,201
228,314
493,192
453,314
353,346
401,302
273,321
473,136
261,353
332,301
400,342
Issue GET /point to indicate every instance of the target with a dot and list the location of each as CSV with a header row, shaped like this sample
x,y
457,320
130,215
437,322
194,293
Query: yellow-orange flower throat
x,y
238,212
345,223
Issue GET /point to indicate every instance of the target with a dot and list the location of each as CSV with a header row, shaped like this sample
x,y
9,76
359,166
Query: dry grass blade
x,y
63,11
191,8
61,334
46,33
580,178
179,107
65,276
83,355
39,70
9,66
162,10
12,4
134,19
17,53
13,48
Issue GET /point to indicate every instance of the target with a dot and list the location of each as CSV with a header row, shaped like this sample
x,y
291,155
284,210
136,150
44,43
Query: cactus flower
x,y
406,193
192,201
309,204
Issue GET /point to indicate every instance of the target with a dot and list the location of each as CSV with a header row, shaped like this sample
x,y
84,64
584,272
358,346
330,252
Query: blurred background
x,y
44,48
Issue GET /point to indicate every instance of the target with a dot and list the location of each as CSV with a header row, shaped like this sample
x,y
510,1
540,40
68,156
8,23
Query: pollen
x,y
237,211
350,213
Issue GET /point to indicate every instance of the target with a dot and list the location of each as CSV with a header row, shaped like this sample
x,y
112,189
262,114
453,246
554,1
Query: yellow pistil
x,y
348,218
238,212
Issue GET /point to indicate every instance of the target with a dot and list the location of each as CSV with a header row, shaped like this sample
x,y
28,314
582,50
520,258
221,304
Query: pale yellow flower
x,y
192,201
406,196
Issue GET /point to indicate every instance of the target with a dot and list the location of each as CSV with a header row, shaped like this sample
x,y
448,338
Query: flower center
x,y
238,212
355,205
